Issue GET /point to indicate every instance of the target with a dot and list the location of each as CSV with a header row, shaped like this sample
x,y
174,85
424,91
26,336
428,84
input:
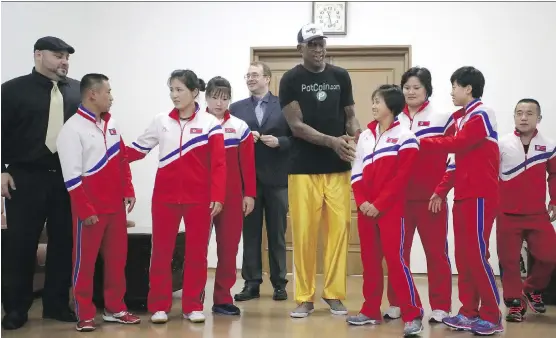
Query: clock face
x,y
331,16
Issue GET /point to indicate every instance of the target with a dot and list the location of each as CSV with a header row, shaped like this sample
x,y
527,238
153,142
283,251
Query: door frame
x,y
256,53
402,50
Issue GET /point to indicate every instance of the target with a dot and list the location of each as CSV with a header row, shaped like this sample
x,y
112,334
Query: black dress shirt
x,y
25,112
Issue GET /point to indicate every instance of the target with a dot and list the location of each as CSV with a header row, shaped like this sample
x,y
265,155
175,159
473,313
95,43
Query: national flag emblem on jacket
x,y
112,131
424,123
196,130
538,147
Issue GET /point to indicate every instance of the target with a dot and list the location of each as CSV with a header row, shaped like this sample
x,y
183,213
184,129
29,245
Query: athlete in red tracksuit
x,y
525,157
240,192
384,160
424,120
190,184
97,176
475,202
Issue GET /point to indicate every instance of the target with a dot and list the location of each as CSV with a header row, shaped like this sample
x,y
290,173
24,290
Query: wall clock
x,y
331,16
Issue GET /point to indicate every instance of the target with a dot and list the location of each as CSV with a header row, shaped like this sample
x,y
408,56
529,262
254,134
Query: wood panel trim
x,y
282,51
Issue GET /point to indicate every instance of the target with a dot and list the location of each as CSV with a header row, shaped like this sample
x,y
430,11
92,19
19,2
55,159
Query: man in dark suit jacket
x,y
262,113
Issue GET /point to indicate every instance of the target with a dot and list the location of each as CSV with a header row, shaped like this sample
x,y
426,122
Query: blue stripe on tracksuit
x,y
77,263
483,246
407,272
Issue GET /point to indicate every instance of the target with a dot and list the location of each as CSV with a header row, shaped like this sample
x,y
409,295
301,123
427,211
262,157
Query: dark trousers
x,y
273,202
40,196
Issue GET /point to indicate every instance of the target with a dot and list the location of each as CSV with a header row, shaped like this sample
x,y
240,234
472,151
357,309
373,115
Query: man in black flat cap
x,y
34,108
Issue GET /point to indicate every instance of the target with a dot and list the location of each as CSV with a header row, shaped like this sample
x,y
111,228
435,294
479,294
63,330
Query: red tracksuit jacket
x,y
430,167
522,175
476,151
192,158
383,165
240,158
447,182
94,164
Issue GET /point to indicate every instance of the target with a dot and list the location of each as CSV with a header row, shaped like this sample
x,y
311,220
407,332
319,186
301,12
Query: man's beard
x,y
61,73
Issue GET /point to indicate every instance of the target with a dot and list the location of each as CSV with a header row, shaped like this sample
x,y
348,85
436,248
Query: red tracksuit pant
x,y
166,222
539,233
473,221
228,226
109,235
384,237
433,231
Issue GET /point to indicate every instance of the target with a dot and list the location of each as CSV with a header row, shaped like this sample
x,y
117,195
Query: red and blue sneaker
x,y
535,302
484,328
516,310
460,322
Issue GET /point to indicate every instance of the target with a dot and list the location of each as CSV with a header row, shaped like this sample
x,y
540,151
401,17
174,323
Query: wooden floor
x,y
265,318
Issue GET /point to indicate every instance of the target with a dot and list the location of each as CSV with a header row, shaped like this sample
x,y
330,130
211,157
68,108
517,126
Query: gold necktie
x,y
55,117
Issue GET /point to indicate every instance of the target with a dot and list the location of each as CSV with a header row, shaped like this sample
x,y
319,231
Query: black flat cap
x,y
54,44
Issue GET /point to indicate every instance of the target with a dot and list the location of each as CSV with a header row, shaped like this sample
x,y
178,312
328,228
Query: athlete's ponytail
x,y
188,78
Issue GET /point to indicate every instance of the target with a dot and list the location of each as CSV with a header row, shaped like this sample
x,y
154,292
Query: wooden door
x,y
368,67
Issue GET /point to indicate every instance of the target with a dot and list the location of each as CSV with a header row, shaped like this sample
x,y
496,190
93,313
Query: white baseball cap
x,y
309,32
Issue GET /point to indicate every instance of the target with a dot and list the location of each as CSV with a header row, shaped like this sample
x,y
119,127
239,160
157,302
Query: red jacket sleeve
x,y
247,163
474,131
447,182
144,144
134,155
70,152
551,169
450,127
126,171
396,187
218,164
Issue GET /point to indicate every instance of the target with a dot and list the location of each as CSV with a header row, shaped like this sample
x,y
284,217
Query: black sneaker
x,y
516,310
226,309
535,302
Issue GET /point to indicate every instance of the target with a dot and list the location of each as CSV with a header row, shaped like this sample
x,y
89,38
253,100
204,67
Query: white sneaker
x,y
195,316
437,316
393,312
159,317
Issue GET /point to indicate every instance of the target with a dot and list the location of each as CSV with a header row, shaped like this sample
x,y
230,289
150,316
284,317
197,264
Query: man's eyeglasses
x,y
253,76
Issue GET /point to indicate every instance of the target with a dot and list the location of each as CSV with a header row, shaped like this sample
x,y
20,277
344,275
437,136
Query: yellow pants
x,y
312,198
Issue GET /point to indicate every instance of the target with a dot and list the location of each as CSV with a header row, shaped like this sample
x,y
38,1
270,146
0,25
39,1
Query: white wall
x,y
138,44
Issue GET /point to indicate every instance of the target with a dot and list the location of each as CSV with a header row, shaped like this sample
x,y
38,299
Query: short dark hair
x,y
393,97
470,76
188,78
528,100
90,80
424,76
218,86
266,68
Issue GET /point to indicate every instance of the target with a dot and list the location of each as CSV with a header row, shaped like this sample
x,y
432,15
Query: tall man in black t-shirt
x,y
34,108
317,101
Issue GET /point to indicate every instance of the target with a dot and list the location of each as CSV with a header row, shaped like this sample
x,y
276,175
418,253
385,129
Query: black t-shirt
x,y
322,98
